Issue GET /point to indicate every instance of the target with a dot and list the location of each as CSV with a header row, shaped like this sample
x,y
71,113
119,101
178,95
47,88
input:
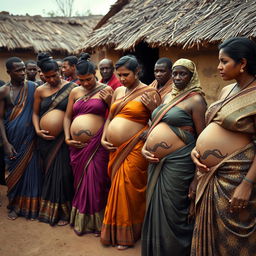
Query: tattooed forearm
x,y
159,145
214,152
87,132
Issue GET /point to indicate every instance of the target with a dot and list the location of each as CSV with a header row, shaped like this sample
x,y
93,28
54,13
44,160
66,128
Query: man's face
x,y
68,70
106,71
17,73
31,71
162,73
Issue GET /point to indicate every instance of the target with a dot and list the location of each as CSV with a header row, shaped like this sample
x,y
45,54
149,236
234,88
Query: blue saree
x,y
24,172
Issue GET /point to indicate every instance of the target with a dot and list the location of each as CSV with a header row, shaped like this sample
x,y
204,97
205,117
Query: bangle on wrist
x,y
249,180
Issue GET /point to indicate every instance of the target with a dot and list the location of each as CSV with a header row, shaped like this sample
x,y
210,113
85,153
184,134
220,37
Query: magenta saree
x,y
91,181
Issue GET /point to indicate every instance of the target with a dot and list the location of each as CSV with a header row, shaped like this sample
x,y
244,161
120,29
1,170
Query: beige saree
x,y
217,230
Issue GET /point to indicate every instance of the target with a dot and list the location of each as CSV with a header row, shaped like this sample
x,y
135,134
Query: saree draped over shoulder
x,y
163,91
57,192
218,232
91,180
24,181
128,171
166,230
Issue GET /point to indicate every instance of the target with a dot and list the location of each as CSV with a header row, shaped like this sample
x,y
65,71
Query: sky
x,y
42,7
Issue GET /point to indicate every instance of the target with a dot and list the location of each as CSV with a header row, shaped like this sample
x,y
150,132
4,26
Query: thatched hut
x,y
25,36
174,28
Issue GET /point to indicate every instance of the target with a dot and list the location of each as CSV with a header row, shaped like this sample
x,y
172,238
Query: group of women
x,y
115,167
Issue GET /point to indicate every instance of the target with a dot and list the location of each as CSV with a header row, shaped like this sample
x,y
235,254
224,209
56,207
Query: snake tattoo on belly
x,y
87,132
215,152
162,144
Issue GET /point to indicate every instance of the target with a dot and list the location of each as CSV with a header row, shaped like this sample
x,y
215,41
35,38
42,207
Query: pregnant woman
x,y
127,167
225,157
83,124
50,105
167,229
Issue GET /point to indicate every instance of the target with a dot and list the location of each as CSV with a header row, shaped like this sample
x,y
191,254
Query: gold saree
x,y
217,230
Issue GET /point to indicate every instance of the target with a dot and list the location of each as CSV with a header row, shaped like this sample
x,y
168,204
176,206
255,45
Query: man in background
x,y
69,69
106,68
31,70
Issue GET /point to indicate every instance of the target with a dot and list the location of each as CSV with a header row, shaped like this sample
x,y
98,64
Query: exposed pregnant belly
x,y
53,122
215,143
120,130
163,141
84,127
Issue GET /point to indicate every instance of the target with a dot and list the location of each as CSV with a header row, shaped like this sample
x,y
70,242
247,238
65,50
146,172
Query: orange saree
x,y
127,168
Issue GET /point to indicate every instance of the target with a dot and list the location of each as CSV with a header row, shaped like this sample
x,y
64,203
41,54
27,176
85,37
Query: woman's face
x,y
127,77
181,77
52,77
227,67
88,81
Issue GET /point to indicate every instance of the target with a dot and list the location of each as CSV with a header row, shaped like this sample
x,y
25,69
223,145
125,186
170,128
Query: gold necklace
x,y
227,96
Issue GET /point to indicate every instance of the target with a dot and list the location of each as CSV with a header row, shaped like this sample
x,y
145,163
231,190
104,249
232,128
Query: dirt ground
x,y
23,237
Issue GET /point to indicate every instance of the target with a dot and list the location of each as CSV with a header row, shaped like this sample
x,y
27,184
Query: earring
x,y
241,70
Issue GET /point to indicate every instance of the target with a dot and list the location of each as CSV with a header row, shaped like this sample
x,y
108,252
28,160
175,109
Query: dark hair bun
x,y
43,57
84,56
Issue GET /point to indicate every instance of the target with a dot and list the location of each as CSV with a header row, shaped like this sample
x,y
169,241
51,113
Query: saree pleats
x,y
57,191
91,180
126,202
24,180
166,228
90,198
217,231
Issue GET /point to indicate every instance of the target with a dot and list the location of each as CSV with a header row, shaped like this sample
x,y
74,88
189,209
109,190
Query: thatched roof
x,y
44,34
183,23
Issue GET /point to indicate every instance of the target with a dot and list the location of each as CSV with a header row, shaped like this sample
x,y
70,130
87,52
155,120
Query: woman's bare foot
x,y
12,215
62,223
122,247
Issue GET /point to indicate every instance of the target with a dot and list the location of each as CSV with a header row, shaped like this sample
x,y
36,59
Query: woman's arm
x,y
68,120
243,191
35,117
107,145
198,114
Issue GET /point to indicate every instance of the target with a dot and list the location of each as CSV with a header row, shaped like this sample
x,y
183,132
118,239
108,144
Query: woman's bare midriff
x,y
120,130
163,141
215,143
53,122
84,127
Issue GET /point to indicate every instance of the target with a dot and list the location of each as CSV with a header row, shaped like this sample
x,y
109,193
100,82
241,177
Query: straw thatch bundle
x,y
44,34
184,23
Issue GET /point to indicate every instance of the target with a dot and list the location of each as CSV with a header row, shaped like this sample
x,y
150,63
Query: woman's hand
x,y
106,95
75,143
195,158
241,196
44,135
150,101
108,146
149,156
9,150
